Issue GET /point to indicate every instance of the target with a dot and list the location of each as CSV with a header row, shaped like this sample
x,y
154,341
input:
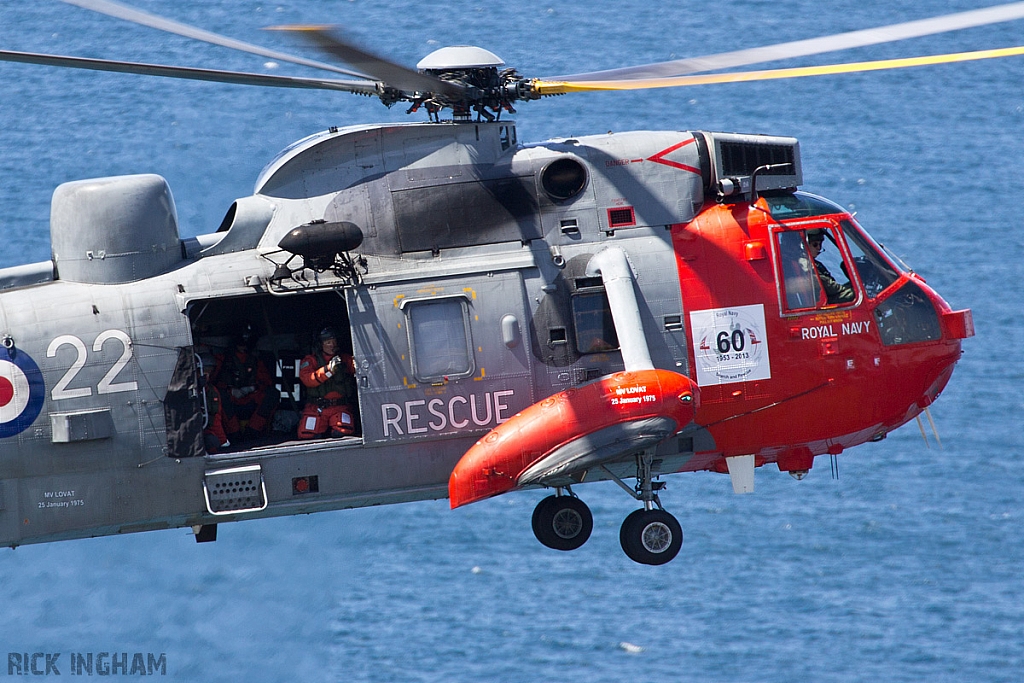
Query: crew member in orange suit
x,y
247,388
329,378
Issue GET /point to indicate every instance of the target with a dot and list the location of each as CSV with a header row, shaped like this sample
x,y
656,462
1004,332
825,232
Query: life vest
x,y
238,372
341,383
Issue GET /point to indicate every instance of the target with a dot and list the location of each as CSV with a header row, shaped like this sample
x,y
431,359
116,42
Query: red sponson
x,y
495,462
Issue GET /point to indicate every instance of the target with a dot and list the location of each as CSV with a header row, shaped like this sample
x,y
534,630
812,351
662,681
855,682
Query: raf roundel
x,y
21,392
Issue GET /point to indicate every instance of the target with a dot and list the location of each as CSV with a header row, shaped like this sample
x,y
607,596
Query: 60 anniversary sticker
x,y
730,345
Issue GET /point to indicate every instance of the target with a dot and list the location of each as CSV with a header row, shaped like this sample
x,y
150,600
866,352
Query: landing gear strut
x,y
649,535
562,522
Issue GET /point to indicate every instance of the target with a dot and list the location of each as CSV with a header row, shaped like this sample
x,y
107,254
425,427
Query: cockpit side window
x,y
875,272
802,289
815,274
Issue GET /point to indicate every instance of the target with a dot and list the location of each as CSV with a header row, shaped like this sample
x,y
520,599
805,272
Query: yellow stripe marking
x,y
557,88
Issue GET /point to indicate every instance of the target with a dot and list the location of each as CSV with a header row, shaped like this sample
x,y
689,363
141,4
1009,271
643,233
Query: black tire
x,y
562,522
651,536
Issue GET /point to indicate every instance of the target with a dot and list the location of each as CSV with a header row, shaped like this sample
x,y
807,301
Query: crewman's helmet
x,y
208,362
246,336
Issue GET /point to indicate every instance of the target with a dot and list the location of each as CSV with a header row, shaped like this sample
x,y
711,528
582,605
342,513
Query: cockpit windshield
x,y
875,271
877,267
785,207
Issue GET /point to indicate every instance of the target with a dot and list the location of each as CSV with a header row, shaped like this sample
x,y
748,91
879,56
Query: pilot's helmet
x,y
816,235
327,333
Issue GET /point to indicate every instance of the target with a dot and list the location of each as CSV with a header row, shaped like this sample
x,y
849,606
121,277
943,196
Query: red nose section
x,y
495,462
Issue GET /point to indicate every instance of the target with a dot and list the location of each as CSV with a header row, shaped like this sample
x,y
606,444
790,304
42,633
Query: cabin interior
x,y
283,330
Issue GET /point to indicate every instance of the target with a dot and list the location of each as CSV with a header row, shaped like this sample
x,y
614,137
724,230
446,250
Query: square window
x,y
439,339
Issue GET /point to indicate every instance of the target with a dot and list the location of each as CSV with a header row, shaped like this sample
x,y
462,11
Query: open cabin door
x,y
250,348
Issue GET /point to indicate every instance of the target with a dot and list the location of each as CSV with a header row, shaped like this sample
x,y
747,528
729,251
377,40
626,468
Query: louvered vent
x,y
738,156
741,158
621,218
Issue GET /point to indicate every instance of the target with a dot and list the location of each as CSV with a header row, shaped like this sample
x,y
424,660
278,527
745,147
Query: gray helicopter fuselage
x,y
460,311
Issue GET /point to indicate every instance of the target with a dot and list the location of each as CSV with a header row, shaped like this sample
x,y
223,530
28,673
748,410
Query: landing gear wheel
x,y
651,536
562,522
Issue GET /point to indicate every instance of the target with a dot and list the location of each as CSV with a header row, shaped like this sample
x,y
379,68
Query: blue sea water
x,y
906,568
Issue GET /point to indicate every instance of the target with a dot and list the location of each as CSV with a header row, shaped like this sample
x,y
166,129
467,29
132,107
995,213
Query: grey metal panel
x,y
655,173
276,173
250,218
596,448
191,246
114,230
650,254
395,406
654,262
99,348
578,211
464,214
424,154
453,262
23,276
84,425
321,164
56,503
10,520
85,501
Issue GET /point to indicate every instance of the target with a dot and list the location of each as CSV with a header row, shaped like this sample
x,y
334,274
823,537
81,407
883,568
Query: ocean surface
x,y
908,567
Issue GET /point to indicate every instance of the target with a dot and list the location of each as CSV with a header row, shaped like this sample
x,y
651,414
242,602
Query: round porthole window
x,y
563,178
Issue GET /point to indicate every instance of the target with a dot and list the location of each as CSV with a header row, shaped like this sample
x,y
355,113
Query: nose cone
x,y
923,338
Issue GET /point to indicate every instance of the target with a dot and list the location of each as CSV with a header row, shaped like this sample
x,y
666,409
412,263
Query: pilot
x,y
329,378
247,389
214,436
835,292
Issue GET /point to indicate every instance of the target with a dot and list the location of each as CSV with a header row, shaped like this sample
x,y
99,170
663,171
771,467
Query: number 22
x,y
106,385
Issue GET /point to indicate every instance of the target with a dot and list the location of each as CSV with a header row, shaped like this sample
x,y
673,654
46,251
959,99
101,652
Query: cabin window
x,y
439,339
592,319
814,273
875,272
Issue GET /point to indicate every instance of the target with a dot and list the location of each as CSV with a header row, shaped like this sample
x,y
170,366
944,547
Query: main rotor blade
x,y
803,48
389,73
135,16
234,77
556,88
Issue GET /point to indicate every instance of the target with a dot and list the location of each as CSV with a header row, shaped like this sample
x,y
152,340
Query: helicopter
x,y
505,315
